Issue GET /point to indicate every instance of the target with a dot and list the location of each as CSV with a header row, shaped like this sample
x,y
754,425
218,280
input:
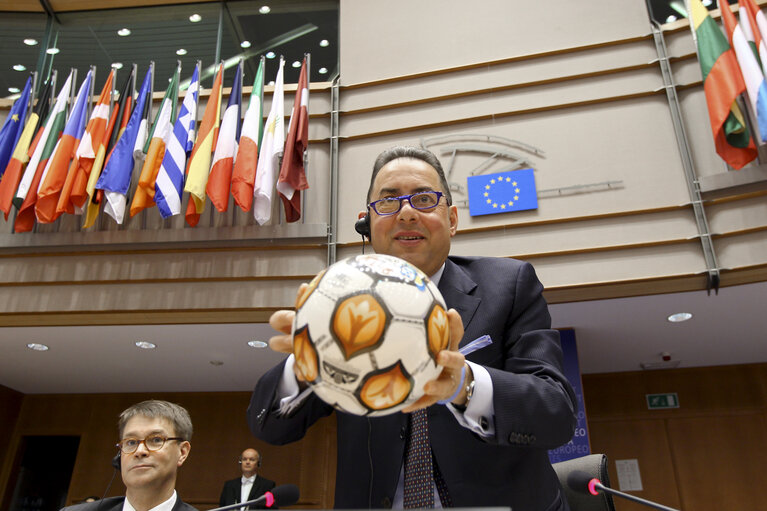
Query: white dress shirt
x,y
165,506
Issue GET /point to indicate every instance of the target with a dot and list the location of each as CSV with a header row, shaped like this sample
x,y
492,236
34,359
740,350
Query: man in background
x,y
154,443
248,487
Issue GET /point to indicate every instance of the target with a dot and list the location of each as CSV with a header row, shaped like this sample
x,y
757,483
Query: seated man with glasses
x,y
154,443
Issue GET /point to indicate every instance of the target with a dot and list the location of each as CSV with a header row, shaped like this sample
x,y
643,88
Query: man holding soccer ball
x,y
485,424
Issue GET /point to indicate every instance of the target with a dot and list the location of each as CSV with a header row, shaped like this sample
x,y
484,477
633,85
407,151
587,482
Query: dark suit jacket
x,y
534,404
232,488
116,504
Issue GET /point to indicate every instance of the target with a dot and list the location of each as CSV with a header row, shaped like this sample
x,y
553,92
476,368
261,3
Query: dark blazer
x,y
116,504
232,489
534,404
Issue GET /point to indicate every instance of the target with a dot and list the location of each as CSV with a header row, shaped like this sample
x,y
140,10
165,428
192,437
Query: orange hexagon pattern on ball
x,y
359,323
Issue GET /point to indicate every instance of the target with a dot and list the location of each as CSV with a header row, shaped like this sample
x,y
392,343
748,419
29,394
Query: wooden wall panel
x,y
705,455
645,441
720,460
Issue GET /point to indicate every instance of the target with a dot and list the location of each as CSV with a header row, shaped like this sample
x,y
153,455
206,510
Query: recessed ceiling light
x,y
37,346
245,44
270,54
181,51
14,90
296,63
324,43
265,9
670,19
123,32
323,70
30,42
146,345
52,51
707,3
257,344
117,65
679,317
194,18
19,67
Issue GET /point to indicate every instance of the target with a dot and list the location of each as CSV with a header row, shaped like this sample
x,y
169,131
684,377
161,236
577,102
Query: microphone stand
x,y
600,487
245,504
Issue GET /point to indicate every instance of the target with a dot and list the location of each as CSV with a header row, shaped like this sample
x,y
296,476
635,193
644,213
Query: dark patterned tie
x,y
419,478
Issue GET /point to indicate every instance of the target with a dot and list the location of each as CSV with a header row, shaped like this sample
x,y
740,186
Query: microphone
x,y
582,482
282,495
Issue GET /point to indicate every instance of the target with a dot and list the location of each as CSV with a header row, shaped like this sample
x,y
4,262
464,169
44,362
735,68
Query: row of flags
x,y
52,163
733,63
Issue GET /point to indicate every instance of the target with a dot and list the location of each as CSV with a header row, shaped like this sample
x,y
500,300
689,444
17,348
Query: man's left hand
x,y
452,362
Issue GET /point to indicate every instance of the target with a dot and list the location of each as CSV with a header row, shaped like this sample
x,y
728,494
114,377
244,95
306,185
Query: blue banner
x,y
502,192
579,445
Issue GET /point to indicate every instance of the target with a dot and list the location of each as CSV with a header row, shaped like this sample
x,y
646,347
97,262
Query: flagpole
x,y
72,93
32,94
308,58
90,96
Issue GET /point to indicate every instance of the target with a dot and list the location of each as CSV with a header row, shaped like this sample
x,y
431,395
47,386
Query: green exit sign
x,y
662,401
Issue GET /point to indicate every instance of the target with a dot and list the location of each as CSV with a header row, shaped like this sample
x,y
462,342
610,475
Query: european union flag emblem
x,y
502,192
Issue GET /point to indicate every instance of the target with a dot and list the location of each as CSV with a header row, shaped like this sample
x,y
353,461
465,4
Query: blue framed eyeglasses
x,y
420,200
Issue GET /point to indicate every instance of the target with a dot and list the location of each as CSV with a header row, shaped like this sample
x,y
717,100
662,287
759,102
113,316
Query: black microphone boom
x,y
282,495
582,482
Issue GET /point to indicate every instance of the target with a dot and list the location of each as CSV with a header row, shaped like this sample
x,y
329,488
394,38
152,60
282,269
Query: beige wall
x,y
577,81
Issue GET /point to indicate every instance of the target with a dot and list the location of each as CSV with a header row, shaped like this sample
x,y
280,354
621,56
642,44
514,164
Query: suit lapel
x,y
457,287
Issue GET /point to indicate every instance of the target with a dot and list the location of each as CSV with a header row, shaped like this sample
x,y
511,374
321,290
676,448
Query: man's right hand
x,y
282,321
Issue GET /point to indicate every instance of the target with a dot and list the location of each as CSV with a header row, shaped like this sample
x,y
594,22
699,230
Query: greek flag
x,y
170,179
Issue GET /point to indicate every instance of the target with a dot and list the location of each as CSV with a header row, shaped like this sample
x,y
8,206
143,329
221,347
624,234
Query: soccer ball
x,y
367,332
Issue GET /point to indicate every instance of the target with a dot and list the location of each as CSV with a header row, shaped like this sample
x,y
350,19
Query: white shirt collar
x,y
438,275
248,480
165,506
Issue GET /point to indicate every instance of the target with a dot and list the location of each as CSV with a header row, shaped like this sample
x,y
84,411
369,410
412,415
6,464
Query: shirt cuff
x,y
288,389
479,414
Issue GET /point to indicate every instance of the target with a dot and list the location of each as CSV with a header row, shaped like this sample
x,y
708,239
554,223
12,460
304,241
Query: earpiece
x,y
258,463
362,226
116,461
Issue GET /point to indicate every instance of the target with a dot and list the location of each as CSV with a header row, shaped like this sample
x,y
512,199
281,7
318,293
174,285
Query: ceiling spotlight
x,y
245,44
181,51
146,345
195,18
296,63
117,65
19,67
323,71
52,51
123,32
270,54
37,346
257,344
707,3
30,42
265,9
679,317
324,43
271,83
671,19
14,90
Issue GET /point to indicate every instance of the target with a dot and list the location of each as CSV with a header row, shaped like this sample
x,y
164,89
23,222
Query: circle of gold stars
x,y
502,205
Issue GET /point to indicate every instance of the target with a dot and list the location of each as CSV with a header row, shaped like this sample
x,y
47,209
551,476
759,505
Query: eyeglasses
x,y
152,443
420,200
